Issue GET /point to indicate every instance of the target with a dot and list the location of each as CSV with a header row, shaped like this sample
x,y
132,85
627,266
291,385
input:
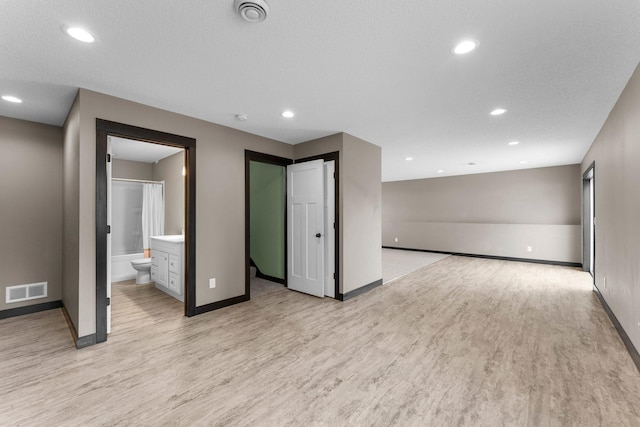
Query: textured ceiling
x,y
378,69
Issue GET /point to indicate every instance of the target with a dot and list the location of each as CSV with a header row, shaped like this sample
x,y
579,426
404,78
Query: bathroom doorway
x,y
145,203
145,200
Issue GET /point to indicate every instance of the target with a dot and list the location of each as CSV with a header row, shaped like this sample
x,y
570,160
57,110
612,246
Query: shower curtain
x,y
152,214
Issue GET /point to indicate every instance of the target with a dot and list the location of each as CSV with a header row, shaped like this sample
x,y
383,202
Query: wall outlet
x,y
529,248
396,240
212,283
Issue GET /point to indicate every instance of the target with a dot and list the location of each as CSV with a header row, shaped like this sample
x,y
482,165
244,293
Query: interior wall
x,y
71,214
31,157
219,196
616,153
362,218
267,198
359,206
497,214
129,169
169,170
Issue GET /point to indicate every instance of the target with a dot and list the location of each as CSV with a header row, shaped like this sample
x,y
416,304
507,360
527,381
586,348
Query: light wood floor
x,y
397,263
464,341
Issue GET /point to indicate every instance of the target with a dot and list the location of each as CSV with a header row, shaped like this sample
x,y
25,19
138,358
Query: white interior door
x,y
329,229
305,223
109,194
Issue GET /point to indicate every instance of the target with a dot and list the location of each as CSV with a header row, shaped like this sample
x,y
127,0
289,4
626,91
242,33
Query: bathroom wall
x,y
169,170
31,182
131,170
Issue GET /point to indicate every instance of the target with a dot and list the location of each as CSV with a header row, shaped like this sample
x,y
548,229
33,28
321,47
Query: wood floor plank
x,y
464,341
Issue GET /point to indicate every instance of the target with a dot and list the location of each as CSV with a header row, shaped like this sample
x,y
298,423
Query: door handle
x,y
318,235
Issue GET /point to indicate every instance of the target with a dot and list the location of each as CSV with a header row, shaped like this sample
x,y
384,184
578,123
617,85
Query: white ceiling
x,y
138,151
380,70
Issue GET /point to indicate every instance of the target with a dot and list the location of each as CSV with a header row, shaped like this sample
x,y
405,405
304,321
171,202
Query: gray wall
x,y
71,200
616,152
362,219
359,206
169,170
498,214
31,208
129,169
219,198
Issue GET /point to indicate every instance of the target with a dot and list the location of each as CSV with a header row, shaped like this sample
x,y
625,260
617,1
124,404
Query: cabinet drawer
x,y
174,283
174,264
154,259
154,273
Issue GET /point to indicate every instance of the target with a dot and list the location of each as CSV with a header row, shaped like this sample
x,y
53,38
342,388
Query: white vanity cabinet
x,y
167,264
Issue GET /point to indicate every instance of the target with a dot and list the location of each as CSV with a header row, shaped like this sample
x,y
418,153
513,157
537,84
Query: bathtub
x,y
121,268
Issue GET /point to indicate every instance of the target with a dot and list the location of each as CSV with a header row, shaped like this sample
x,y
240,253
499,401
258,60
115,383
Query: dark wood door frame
x,y
335,156
588,179
105,128
253,156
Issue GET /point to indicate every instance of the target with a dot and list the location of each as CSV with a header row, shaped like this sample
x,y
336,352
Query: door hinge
x,y
334,276
108,158
334,175
334,225
594,220
108,229
108,301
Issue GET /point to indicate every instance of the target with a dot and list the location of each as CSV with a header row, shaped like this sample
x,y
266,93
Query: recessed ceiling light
x,y
440,170
79,34
472,164
465,46
288,114
242,117
11,98
523,162
498,111
513,143
408,159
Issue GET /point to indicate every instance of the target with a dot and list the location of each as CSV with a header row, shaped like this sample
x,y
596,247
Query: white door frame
x,y
109,217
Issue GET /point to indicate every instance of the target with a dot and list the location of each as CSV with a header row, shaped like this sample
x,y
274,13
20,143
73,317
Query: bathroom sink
x,y
176,238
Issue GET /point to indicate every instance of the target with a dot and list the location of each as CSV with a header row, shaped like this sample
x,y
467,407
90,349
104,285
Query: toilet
x,y
143,267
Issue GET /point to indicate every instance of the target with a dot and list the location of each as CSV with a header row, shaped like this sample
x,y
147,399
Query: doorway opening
x,y
265,222
145,209
589,221
271,249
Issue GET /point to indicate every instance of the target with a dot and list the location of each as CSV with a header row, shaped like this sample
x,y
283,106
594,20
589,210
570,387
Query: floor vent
x,y
26,292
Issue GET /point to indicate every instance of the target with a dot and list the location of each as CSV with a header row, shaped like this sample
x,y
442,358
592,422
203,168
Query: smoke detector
x,y
252,10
